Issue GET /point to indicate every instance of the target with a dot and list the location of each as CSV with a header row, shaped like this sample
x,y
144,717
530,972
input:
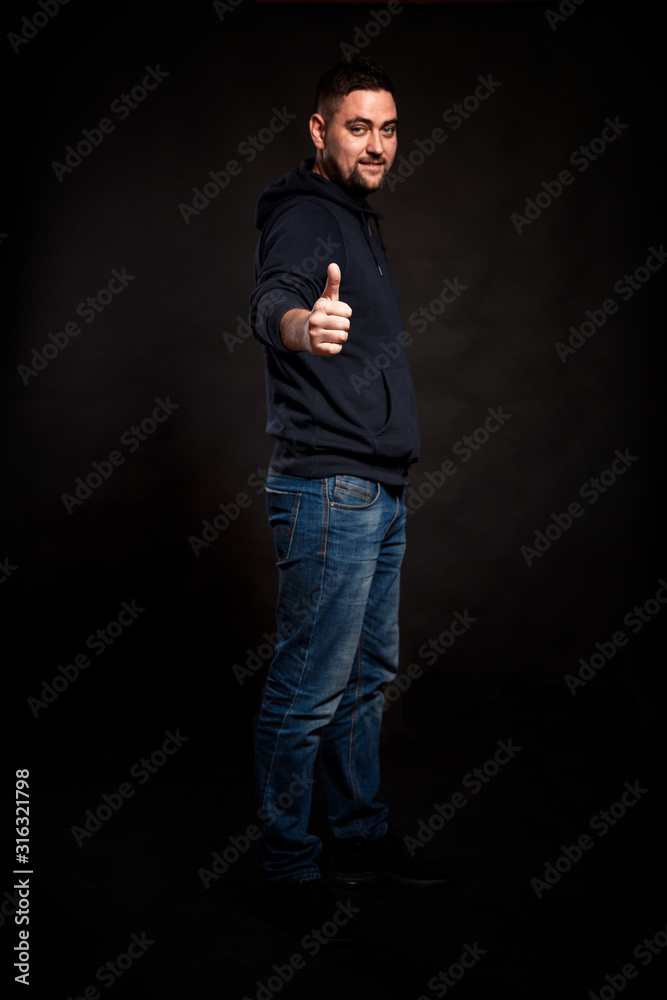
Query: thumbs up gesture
x,y
329,320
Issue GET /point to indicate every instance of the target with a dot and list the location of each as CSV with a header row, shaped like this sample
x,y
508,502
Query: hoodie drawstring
x,y
367,232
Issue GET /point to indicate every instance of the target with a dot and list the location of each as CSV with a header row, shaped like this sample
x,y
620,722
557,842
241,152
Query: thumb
x,y
333,283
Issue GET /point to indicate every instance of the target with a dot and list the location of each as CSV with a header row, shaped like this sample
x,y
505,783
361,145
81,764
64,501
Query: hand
x,y
329,321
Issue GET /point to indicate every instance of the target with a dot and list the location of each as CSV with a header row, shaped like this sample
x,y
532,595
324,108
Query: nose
x,y
375,144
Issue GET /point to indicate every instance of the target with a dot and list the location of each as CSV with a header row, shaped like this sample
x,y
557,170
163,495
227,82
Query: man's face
x,y
356,148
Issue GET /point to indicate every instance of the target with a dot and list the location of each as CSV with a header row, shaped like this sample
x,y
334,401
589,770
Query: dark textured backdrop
x,y
174,339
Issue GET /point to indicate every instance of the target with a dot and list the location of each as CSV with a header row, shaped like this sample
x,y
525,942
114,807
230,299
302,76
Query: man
x,y
341,406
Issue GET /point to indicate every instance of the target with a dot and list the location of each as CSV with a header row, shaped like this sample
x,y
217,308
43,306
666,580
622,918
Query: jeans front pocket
x,y
352,492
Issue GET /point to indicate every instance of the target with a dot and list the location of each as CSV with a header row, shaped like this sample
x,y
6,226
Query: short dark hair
x,y
352,73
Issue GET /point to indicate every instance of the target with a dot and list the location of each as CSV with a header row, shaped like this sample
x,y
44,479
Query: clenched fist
x,y
324,330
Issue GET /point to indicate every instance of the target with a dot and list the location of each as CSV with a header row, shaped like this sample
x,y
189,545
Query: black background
x,y
68,573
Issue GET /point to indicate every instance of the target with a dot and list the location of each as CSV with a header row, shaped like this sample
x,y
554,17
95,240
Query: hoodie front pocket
x,y
399,435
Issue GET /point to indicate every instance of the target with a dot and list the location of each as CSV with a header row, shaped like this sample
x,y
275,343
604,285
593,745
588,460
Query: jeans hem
x,y
305,877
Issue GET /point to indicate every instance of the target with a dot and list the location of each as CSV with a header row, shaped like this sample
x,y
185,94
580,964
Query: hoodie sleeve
x,y
293,256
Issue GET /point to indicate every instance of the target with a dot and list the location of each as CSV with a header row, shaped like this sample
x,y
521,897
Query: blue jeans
x,y
339,545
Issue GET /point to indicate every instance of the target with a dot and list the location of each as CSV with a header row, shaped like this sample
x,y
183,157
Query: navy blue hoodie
x,y
352,413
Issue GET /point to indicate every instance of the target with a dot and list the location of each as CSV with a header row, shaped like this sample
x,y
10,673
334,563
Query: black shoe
x,y
384,860
309,909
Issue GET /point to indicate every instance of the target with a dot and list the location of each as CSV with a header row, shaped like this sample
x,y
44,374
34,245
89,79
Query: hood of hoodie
x,y
299,181
302,181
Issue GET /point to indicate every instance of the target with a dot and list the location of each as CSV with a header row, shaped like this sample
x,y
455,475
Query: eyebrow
x,y
367,121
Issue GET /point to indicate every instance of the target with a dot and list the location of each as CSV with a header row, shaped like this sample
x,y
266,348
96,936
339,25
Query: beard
x,y
355,184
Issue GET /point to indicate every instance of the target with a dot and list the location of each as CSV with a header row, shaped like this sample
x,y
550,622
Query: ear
x,y
317,130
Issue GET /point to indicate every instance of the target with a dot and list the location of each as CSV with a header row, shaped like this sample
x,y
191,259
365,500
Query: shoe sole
x,y
370,878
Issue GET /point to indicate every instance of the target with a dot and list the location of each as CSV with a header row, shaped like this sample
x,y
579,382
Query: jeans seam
x,y
325,519
395,517
353,723
297,687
